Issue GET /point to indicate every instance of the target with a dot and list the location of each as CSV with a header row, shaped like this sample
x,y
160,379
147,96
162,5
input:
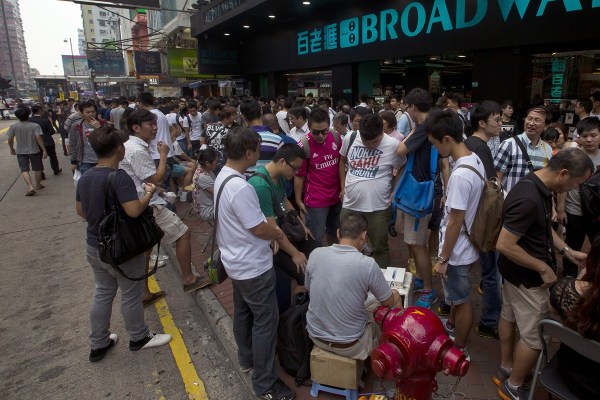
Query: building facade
x,y
482,49
13,52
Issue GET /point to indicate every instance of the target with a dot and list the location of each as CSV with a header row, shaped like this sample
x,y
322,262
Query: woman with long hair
x,y
577,301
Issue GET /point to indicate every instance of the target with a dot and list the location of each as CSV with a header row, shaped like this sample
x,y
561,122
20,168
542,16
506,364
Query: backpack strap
x,y
433,162
214,235
305,146
275,200
524,151
470,167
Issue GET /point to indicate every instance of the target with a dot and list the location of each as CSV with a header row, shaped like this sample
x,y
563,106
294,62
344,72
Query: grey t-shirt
x,y
339,279
25,133
203,200
573,202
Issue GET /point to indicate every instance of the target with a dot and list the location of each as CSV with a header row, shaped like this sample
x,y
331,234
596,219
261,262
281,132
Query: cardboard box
x,y
331,369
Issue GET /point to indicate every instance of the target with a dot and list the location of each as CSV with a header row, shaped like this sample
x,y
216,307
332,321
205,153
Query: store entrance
x,y
315,83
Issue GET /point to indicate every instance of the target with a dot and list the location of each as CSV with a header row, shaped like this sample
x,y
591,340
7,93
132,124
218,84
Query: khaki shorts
x,y
418,237
526,307
170,223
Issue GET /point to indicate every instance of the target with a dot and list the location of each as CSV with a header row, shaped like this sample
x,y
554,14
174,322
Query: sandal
x,y
199,284
30,193
40,187
154,298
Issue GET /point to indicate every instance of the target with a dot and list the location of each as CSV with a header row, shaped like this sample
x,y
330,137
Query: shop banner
x,y
109,63
147,62
183,63
81,65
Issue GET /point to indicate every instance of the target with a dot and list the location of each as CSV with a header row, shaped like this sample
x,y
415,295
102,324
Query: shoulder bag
x,y
120,237
214,265
288,221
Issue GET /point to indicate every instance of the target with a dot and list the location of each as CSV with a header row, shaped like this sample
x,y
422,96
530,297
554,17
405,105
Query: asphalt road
x,y
45,291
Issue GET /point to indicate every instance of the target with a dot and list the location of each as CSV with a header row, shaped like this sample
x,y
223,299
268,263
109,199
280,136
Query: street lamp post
x,y
72,60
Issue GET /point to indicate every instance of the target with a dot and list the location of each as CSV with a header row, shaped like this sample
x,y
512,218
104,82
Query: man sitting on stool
x,y
339,279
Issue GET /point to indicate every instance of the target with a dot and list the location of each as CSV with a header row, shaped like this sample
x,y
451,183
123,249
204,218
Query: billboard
x,y
103,62
81,65
183,63
147,62
154,4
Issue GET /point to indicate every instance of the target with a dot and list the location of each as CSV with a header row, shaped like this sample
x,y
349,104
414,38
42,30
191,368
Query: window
x,y
102,31
91,30
89,11
102,23
91,21
102,14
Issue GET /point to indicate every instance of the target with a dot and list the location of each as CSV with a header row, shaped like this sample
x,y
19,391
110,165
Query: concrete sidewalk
x,y
216,303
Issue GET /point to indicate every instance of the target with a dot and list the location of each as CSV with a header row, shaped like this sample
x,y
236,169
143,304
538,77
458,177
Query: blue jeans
x,y
321,220
83,167
255,320
491,285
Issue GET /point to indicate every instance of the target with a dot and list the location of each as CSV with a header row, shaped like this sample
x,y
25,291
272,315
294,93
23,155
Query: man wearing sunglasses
x,y
317,184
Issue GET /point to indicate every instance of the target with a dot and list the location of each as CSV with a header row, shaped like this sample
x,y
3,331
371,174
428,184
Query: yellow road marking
x,y
3,130
193,384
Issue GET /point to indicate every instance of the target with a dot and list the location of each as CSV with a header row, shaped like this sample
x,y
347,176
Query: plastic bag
x,y
76,177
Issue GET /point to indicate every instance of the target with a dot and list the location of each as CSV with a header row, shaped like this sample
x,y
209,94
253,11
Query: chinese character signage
x,y
147,62
419,18
109,63
559,66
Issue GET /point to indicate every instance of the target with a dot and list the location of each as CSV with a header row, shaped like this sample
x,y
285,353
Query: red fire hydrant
x,y
413,348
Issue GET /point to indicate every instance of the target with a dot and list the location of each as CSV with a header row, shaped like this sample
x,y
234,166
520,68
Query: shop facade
x,y
483,49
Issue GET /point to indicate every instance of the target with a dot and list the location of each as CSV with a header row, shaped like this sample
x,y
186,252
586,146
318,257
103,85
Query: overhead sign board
x,y
109,63
153,4
80,62
183,63
147,62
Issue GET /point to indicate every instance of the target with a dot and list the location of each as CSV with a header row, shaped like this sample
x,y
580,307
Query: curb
x,y
221,324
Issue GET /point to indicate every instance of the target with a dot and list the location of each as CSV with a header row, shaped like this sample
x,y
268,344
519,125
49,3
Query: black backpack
x,y
293,343
589,192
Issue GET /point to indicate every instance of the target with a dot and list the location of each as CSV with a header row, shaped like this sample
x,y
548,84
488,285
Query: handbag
x,y
413,197
120,237
289,220
214,265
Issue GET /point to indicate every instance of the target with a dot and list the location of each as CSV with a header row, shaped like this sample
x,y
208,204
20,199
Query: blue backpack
x,y
413,197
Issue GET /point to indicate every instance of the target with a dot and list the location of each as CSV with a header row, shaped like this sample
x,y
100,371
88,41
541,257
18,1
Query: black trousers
x,y
577,229
286,270
51,151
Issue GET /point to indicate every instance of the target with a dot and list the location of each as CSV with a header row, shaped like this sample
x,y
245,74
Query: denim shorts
x,y
458,285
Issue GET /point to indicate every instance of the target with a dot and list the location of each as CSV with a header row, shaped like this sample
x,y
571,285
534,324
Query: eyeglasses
x,y
497,120
320,132
291,166
535,121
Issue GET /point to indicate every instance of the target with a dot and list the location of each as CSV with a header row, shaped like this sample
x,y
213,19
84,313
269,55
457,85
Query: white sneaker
x,y
152,340
183,197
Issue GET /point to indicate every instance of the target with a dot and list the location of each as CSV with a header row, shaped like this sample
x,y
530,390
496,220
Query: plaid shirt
x,y
511,163
494,145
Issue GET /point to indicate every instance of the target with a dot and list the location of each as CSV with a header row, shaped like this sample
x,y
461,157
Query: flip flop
x,y
30,193
40,187
154,298
199,284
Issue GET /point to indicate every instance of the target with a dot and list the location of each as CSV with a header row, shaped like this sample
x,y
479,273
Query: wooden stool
x,y
335,374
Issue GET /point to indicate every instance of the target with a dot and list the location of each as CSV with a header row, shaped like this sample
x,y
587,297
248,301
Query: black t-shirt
x,y
527,214
418,144
480,147
91,192
508,129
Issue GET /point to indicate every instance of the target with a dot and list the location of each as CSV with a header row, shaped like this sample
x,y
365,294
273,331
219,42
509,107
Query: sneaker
x,y
279,391
245,369
448,326
501,376
183,197
443,309
487,332
98,354
426,299
152,340
418,285
507,393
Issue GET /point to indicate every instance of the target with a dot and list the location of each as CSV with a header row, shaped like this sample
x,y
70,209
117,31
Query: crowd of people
x,y
335,172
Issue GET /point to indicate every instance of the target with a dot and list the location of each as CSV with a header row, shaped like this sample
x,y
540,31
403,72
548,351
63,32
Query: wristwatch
x,y
564,250
441,260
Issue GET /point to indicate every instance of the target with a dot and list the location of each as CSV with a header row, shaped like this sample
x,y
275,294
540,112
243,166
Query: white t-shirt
x,y
173,119
370,173
464,192
162,134
244,255
196,129
283,124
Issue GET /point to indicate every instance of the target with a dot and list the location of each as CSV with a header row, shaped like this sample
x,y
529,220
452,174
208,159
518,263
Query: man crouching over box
x,y
339,279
